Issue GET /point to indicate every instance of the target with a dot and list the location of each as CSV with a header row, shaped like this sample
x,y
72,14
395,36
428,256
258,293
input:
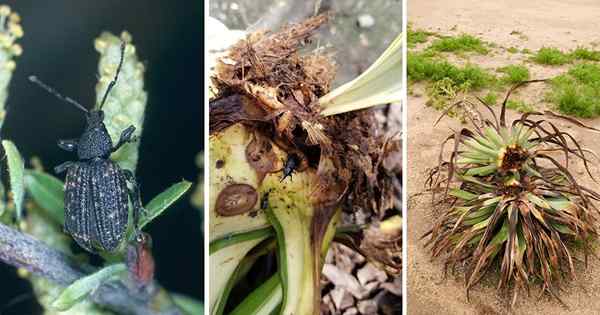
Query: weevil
x,y
291,164
96,191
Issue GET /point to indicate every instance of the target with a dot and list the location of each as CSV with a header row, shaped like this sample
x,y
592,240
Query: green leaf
x,y
229,240
462,194
189,305
16,168
48,192
540,202
380,84
481,171
161,202
263,300
501,236
80,289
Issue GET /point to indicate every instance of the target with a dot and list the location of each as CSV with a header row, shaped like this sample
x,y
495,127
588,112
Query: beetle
x,y
96,191
291,164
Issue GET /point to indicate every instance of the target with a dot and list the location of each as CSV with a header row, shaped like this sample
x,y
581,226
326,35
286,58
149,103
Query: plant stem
x,y
23,251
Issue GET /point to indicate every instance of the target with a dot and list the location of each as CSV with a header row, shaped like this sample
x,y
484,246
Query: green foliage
x,y
16,169
421,67
519,106
82,287
512,50
189,305
491,98
551,56
48,192
160,203
582,53
415,37
577,92
461,43
514,74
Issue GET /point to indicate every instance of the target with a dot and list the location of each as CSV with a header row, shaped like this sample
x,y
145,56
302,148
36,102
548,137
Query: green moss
x,y
491,98
512,50
519,106
582,53
414,37
461,43
422,67
577,92
446,80
551,56
514,74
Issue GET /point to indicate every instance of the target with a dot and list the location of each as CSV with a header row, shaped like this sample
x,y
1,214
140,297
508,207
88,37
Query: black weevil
x,y
291,164
96,192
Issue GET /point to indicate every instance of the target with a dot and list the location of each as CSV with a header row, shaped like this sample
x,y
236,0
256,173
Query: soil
x,y
561,24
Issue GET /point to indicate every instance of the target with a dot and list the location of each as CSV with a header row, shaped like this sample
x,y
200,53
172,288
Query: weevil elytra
x,y
291,164
96,192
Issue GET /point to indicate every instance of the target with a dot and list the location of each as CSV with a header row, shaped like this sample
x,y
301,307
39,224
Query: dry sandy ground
x,y
563,24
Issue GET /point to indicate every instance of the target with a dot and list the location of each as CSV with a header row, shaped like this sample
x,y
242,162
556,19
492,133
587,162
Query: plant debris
x,y
270,86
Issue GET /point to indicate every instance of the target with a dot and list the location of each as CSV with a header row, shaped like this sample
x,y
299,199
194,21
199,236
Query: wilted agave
x,y
514,201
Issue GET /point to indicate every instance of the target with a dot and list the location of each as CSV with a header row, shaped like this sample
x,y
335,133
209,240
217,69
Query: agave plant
x,y
281,168
513,201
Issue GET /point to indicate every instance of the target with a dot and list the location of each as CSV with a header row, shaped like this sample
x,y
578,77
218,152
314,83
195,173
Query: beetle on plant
x,y
96,192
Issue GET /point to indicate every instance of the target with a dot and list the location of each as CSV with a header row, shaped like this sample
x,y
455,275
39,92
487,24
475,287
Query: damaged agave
x,y
281,172
512,201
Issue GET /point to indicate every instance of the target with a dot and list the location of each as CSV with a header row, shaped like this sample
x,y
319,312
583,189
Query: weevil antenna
x,y
114,81
52,91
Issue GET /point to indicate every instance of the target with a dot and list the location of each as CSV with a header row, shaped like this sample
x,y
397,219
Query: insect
x,y
291,164
96,192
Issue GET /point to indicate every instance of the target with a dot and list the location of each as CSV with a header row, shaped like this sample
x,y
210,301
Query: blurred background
x,y
58,48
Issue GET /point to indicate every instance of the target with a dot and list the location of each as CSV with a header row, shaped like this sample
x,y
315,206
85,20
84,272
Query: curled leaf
x,y
81,288
16,169
161,202
48,192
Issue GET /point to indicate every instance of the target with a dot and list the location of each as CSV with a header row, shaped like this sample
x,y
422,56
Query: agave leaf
x,y
290,213
486,142
229,240
563,229
162,201
223,264
540,202
16,170
482,224
380,84
482,171
263,300
48,192
472,143
462,194
466,160
493,135
79,289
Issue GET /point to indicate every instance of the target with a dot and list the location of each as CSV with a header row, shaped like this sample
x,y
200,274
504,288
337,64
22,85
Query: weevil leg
x,y
136,199
126,136
63,167
68,145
